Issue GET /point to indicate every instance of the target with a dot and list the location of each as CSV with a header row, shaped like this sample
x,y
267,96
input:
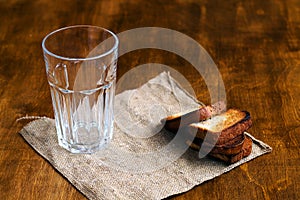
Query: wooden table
x,y
254,43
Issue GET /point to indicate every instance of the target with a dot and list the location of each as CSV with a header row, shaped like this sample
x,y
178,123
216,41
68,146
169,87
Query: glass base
x,y
83,149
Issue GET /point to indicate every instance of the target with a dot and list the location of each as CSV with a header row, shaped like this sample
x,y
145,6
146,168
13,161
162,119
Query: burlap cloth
x,y
139,163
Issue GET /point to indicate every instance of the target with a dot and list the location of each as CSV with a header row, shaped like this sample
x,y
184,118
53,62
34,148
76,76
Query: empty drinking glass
x,y
81,63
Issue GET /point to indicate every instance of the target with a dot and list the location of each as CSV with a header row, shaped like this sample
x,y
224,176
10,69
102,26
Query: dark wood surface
x,y
255,44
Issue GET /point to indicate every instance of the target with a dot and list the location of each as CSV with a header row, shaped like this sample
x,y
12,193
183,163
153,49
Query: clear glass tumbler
x,y
81,64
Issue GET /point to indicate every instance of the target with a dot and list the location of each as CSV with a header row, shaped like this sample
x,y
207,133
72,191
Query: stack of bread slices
x,y
219,133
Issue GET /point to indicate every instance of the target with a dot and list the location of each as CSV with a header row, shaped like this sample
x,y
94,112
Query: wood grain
x,y
255,44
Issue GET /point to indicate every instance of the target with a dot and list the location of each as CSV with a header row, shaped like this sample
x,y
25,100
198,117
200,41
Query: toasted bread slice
x,y
174,122
233,146
222,128
245,151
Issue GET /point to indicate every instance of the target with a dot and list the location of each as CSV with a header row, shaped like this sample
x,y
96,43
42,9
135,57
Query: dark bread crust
x,y
227,134
176,121
247,147
233,146
229,158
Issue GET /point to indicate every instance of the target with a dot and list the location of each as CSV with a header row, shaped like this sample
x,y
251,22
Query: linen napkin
x,y
142,161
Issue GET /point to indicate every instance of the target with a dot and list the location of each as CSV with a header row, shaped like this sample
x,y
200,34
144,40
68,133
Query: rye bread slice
x,y
233,146
229,158
222,128
174,122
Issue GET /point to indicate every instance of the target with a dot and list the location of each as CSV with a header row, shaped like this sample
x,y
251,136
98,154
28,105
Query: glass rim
x,y
114,47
